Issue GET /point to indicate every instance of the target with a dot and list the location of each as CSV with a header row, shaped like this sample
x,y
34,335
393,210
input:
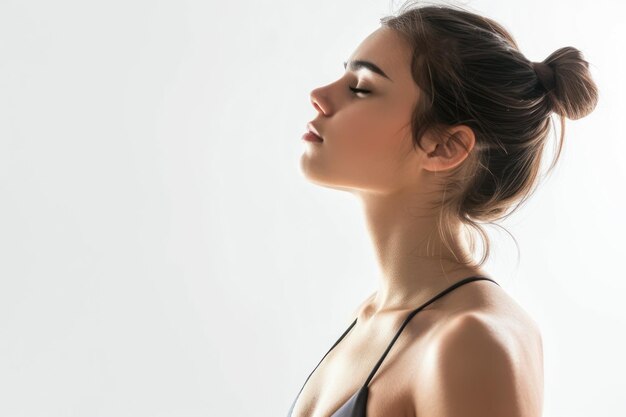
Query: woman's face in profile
x,y
367,135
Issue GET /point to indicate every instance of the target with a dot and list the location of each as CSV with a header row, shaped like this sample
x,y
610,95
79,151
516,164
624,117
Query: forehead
x,y
388,50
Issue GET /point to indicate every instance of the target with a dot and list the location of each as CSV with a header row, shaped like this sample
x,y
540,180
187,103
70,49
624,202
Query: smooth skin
x,y
474,352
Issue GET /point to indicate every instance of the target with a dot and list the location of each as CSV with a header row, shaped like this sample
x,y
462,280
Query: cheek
x,y
372,136
371,148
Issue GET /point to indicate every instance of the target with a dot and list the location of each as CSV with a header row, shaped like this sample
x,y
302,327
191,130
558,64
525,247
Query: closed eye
x,y
359,90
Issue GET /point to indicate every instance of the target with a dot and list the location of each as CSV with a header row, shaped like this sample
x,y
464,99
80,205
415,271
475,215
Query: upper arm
x,y
471,374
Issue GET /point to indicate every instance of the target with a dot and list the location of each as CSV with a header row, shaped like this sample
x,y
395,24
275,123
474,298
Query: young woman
x,y
438,123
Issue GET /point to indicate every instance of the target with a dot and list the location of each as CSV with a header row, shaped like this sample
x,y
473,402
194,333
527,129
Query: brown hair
x,y
470,71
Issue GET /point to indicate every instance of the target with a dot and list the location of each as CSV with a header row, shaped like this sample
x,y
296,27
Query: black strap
x,y
410,316
318,364
417,310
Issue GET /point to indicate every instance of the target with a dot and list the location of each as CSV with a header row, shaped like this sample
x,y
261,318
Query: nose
x,y
315,100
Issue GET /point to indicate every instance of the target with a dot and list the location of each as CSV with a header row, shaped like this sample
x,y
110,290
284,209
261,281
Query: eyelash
x,y
359,90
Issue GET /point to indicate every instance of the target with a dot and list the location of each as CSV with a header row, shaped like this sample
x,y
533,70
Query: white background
x,y
161,253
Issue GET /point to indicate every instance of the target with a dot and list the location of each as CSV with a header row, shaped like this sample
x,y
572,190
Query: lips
x,y
313,130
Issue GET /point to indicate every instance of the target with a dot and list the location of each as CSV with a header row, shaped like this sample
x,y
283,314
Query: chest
x,y
393,388
347,367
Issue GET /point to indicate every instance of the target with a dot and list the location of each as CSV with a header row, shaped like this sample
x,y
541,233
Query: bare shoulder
x,y
482,364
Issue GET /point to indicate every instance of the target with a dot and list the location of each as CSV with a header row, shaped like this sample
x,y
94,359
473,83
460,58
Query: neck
x,y
414,263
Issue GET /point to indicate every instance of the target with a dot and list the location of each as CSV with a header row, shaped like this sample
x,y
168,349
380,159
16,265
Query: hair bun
x,y
545,73
574,93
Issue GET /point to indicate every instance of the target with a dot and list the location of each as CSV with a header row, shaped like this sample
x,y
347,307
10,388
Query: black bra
x,y
355,405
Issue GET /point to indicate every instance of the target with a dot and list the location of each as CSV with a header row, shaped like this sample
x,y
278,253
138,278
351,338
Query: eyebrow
x,y
358,64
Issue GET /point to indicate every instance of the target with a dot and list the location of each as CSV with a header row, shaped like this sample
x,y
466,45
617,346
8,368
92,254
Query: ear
x,y
444,153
